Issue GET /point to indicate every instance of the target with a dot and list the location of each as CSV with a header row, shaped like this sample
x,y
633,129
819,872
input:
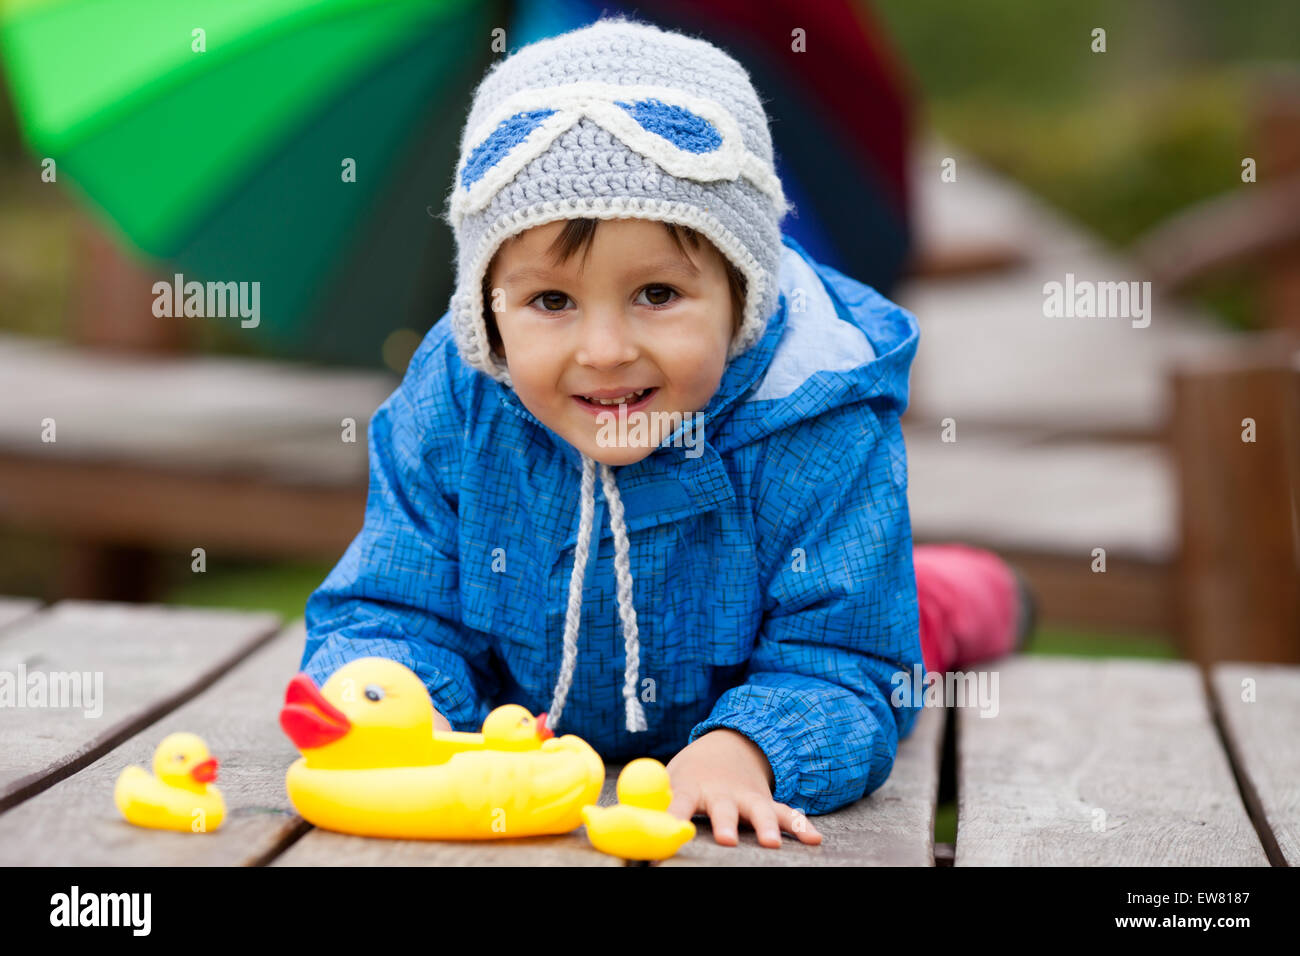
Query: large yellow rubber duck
x,y
373,765
639,827
179,794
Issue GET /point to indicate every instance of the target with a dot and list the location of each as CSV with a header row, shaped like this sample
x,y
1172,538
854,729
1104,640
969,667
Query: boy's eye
x,y
658,295
552,301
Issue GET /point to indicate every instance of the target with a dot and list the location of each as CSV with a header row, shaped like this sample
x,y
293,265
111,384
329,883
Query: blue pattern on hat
x,y
681,127
510,132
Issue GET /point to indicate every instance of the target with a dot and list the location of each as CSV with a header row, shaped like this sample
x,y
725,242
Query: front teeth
x,y
630,397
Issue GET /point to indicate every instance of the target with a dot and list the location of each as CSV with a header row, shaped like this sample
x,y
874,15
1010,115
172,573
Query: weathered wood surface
x,y
1263,738
148,660
1064,498
1132,739
219,415
176,510
894,826
1098,763
12,609
1239,573
323,848
75,822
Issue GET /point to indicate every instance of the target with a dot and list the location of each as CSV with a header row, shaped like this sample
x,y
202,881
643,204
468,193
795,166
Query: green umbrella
x,y
221,152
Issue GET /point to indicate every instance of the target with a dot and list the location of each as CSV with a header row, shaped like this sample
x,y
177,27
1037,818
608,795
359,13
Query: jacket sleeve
x,y
840,613
395,591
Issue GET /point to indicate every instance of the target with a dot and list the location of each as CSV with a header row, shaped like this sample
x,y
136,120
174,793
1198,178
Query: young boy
x,y
627,309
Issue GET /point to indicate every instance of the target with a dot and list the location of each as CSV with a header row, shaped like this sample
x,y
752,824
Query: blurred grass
x,y
36,250
281,587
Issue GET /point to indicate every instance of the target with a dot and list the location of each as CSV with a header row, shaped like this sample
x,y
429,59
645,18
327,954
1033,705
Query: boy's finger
x,y
793,821
761,812
686,800
723,818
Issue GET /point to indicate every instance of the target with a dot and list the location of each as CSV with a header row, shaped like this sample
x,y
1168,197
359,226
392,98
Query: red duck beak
x,y
206,771
308,718
543,732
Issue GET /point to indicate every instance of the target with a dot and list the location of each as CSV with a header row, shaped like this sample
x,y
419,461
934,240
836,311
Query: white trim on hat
x,y
573,101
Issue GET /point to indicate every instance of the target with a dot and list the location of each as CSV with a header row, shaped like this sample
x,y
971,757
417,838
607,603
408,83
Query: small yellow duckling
x,y
639,827
179,795
512,727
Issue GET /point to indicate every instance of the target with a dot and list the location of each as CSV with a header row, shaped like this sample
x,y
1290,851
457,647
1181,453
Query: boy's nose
x,y
607,341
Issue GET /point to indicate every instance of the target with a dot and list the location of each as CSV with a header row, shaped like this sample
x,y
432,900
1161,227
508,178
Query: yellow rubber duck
x,y
639,827
179,794
372,764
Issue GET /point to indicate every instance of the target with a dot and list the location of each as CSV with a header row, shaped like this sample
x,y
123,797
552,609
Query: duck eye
x,y
374,692
179,758
523,721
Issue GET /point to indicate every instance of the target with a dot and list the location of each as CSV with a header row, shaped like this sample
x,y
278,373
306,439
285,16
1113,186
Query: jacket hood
x,y
832,341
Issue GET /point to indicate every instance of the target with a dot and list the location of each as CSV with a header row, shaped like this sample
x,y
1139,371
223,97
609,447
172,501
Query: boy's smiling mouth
x,y
608,399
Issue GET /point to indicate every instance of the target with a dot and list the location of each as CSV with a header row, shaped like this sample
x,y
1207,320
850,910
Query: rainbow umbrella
x,y
221,155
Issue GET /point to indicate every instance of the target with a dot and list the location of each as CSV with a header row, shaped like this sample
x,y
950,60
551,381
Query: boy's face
x,y
633,314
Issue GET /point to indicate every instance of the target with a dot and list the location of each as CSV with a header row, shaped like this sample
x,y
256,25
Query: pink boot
x,y
973,606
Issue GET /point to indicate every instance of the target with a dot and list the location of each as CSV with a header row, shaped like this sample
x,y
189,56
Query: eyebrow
x,y
671,266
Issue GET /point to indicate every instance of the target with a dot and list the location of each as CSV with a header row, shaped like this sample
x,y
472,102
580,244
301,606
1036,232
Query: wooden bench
x,y
156,456
1086,761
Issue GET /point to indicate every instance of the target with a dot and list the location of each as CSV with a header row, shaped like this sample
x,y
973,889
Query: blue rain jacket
x,y
773,581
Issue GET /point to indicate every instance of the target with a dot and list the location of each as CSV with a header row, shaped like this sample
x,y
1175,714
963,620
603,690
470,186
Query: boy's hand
x,y
726,775
440,722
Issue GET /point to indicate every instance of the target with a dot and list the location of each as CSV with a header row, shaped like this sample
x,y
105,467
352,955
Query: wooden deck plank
x,y
1127,746
274,420
894,826
75,822
1262,738
145,660
324,848
175,509
15,609
1062,498
1074,375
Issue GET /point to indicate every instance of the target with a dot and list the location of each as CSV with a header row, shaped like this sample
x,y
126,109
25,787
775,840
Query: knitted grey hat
x,y
616,120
